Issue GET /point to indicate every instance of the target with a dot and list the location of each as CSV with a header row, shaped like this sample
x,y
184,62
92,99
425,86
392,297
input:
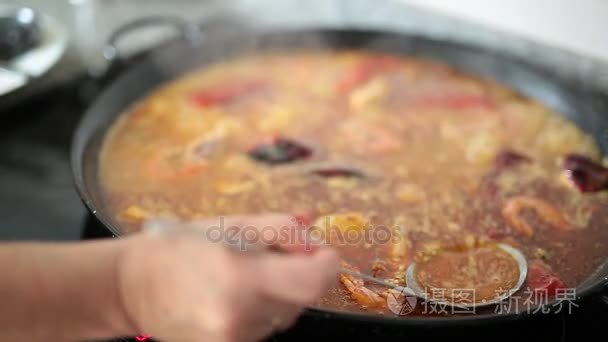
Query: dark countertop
x,y
37,195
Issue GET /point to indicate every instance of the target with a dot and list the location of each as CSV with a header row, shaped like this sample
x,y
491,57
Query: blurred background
x,y
577,26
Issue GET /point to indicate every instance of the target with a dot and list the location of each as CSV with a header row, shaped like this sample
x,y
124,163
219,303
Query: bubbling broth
x,y
394,158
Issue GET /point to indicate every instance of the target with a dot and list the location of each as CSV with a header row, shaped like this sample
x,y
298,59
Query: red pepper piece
x,y
541,278
365,71
585,174
228,92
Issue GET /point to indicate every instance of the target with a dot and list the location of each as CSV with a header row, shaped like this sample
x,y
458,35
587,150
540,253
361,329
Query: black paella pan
x,y
586,107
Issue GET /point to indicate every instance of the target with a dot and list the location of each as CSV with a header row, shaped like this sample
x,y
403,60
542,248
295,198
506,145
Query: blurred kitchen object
x,y
11,81
19,31
31,44
95,21
513,27
580,25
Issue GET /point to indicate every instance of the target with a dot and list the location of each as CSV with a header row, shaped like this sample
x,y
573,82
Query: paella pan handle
x,y
116,62
186,30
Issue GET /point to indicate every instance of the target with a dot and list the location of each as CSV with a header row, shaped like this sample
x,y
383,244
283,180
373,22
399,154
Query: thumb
x,y
298,278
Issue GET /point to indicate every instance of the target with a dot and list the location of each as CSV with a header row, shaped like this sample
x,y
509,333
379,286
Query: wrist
x,y
121,318
133,282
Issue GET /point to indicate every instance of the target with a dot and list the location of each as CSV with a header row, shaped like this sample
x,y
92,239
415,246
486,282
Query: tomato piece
x,y
228,92
542,278
365,71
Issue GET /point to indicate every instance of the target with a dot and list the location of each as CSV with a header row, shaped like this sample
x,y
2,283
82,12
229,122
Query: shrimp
x,y
547,212
359,293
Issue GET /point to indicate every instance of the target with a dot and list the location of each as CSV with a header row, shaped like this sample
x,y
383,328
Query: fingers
x,y
219,294
297,278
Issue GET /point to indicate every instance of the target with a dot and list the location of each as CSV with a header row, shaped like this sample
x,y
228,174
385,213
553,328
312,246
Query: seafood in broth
x,y
393,158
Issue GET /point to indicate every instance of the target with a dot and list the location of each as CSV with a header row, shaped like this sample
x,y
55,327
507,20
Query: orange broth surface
x,y
363,145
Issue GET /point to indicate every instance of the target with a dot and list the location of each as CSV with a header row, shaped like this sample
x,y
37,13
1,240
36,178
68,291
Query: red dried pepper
x,y
228,92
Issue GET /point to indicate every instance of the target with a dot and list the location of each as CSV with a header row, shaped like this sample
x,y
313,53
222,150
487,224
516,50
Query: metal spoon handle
x,y
370,278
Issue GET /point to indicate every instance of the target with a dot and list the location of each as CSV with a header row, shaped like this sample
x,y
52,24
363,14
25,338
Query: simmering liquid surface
x,y
396,158
485,269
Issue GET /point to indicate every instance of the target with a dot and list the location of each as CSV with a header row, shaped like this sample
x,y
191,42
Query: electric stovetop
x,y
38,202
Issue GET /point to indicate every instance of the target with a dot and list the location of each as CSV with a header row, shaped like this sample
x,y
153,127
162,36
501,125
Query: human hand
x,y
178,287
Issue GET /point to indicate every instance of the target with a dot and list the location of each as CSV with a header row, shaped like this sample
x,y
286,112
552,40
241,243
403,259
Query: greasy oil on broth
x,y
364,141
